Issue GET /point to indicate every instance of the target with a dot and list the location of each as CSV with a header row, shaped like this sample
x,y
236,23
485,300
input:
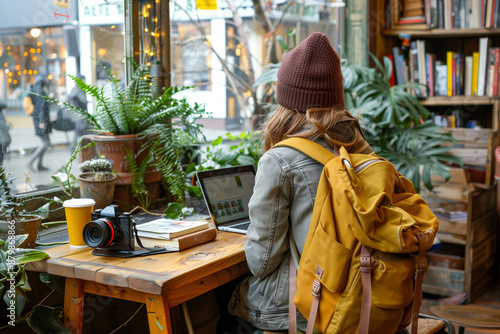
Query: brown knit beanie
x,y
310,76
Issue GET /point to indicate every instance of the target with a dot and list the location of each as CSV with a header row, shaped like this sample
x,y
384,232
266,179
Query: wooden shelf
x,y
455,100
440,33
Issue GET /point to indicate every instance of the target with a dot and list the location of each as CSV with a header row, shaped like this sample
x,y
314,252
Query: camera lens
x,y
101,232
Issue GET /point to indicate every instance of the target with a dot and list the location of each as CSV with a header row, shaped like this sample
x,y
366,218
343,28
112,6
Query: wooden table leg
x,y
73,305
158,314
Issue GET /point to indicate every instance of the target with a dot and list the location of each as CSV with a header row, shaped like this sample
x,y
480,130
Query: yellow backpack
x,y
363,261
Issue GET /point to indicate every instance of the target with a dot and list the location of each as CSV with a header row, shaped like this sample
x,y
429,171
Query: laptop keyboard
x,y
242,226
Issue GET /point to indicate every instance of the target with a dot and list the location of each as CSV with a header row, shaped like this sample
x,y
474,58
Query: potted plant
x,y
24,224
139,128
97,181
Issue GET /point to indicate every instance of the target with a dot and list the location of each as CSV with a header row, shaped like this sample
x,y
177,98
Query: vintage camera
x,y
110,231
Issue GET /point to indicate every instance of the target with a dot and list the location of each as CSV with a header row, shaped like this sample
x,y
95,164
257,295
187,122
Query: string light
x,y
39,43
10,74
25,71
25,53
19,72
10,80
15,82
34,58
30,72
146,29
6,64
149,64
38,50
8,47
35,72
50,77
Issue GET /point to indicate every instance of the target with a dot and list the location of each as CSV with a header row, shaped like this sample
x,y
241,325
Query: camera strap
x,y
145,250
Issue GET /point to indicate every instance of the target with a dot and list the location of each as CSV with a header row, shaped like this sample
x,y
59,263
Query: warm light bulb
x,y
39,43
149,6
14,82
25,71
146,29
19,72
10,74
10,80
35,32
6,64
50,77
34,58
113,27
152,34
8,47
149,64
38,50
151,54
30,72
35,72
26,53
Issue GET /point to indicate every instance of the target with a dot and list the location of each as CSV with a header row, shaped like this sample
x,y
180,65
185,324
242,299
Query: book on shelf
x,y
440,13
489,11
447,14
459,73
398,65
392,78
490,67
430,59
421,47
481,76
475,70
441,79
411,20
182,242
468,76
431,13
449,65
168,228
414,72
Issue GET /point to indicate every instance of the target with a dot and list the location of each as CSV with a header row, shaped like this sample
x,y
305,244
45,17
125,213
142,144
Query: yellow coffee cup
x,y
78,211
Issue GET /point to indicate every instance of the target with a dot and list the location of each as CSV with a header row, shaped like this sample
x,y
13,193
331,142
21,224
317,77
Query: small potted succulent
x,y
9,212
97,181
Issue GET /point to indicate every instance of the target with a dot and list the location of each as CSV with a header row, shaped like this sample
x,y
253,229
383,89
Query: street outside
x,y
24,142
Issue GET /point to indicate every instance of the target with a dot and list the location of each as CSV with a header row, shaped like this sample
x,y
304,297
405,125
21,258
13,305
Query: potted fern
x,y
97,181
140,132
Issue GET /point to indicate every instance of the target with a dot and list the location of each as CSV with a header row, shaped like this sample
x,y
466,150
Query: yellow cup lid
x,y
78,202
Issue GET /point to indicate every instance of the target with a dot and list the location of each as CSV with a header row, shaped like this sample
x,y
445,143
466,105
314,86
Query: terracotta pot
x,y
101,191
29,225
115,148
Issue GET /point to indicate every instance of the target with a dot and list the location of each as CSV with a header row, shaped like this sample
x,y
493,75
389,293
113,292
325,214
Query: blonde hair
x,y
334,126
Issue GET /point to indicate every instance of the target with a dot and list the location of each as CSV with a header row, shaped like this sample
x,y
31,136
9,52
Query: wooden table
x,y
160,281
473,316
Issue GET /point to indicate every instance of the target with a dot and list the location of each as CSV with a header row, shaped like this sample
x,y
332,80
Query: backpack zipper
x,y
365,164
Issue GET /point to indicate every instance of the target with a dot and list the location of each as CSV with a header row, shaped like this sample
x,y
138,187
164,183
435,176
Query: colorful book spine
x,y
495,72
468,76
449,64
483,59
392,78
475,70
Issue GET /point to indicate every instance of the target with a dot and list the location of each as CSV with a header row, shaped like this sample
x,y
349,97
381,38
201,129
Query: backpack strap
x,y
365,264
308,147
421,268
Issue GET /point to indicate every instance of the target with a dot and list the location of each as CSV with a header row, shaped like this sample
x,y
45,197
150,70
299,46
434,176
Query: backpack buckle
x,y
422,264
316,288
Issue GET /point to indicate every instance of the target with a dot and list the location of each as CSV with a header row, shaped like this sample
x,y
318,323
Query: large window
x,y
221,52
35,44
224,51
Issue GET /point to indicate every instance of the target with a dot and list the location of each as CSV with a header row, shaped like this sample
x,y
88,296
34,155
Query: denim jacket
x,y
282,203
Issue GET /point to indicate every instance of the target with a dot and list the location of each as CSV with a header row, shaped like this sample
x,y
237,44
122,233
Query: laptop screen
x,y
227,192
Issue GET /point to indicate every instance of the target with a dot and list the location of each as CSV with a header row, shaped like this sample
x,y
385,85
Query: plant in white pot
x,y
10,215
97,181
137,123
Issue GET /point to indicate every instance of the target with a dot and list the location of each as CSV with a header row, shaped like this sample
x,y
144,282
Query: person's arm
x,y
269,214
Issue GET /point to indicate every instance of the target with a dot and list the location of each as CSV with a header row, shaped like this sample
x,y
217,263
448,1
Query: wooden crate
x,y
476,147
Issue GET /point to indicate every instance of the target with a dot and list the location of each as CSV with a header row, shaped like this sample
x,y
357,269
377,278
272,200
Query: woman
x,y
311,105
41,122
5,139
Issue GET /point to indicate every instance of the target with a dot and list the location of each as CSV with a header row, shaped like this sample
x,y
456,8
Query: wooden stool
x,y
473,316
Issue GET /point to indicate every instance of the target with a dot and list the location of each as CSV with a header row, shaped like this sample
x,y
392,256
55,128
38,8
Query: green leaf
x,y
44,319
19,302
55,283
174,210
29,255
194,191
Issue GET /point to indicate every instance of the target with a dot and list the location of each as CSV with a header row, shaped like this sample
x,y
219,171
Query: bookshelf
x,y
473,239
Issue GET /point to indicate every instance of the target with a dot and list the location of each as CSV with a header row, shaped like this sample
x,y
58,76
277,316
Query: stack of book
x,y
175,234
444,14
476,74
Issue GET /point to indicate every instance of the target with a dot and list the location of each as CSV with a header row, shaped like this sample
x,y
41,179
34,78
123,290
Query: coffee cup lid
x,y
78,202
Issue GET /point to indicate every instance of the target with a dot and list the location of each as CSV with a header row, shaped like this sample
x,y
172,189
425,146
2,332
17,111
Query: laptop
x,y
227,192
